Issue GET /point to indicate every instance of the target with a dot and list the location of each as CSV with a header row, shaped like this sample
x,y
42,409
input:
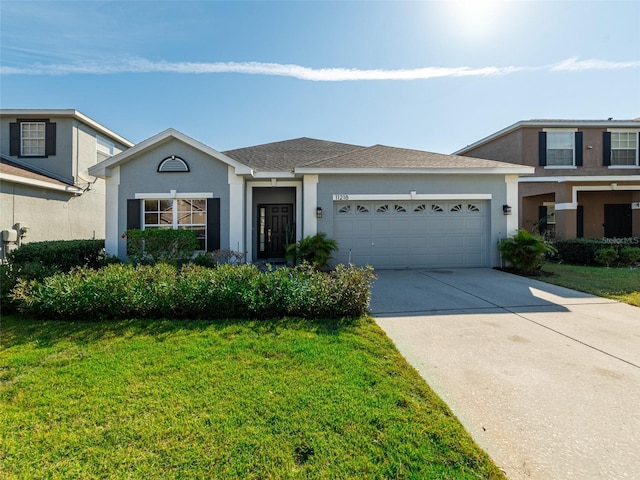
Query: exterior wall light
x,y
319,212
506,209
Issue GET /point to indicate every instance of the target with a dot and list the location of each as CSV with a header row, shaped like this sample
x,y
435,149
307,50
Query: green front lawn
x,y
229,399
622,284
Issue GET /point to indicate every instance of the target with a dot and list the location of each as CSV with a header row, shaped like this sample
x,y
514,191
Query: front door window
x,y
275,222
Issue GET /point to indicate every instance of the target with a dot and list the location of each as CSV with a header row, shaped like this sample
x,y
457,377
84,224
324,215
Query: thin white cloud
x,y
573,64
141,65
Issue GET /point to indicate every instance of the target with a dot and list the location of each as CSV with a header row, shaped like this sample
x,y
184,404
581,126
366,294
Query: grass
x,y
622,284
165,399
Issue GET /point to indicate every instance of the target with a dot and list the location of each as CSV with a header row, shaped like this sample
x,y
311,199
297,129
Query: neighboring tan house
x,y
587,174
46,191
387,207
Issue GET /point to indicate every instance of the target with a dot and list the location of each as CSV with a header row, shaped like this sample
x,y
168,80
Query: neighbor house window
x,y
104,147
187,214
560,148
32,138
624,148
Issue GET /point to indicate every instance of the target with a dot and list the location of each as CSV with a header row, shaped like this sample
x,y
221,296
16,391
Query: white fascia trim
x,y
343,197
416,171
582,178
273,175
7,177
172,194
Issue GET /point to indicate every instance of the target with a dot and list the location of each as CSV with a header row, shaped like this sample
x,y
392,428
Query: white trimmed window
x,y
560,149
180,213
32,139
624,148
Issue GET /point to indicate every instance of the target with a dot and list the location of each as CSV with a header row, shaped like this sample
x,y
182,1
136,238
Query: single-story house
x,y
387,207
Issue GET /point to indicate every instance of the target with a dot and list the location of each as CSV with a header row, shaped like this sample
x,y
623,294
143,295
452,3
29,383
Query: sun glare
x,y
479,18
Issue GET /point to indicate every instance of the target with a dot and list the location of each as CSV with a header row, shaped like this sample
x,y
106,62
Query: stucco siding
x,y
206,175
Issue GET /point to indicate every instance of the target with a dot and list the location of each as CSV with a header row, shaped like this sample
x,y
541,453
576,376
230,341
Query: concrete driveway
x,y
546,379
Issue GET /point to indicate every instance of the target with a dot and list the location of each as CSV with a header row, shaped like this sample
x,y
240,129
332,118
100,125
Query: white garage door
x,y
415,234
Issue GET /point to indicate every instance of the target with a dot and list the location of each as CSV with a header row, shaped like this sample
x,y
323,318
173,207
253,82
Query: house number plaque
x,y
341,196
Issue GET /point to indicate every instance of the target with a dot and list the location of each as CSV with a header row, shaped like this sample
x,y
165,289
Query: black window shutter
x,y
213,224
50,139
578,149
14,139
133,214
542,148
580,221
542,219
606,148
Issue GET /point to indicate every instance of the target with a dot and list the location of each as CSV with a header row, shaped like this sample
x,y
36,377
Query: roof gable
x,y
102,169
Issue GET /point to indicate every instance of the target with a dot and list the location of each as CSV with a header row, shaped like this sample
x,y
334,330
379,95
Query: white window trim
x,y
627,130
172,194
562,130
44,138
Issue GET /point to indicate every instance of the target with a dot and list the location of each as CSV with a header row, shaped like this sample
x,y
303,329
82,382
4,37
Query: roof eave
x,y
69,113
520,170
7,177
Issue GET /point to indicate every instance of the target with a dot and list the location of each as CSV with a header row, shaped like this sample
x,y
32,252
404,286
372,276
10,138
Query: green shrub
x,y
583,251
228,291
316,250
58,256
160,245
219,257
629,256
606,256
524,250
579,251
38,260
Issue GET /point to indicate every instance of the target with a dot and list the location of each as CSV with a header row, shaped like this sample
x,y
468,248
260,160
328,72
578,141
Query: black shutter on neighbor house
x,y
213,224
606,148
14,139
578,148
542,219
542,149
133,214
50,139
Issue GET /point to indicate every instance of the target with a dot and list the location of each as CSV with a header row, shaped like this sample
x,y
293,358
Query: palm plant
x,y
525,250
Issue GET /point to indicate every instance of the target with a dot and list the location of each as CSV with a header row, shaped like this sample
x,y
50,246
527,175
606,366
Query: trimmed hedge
x,y
583,251
38,260
160,245
59,255
122,291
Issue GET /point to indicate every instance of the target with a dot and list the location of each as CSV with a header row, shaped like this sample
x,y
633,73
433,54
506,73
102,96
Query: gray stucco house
x,y
46,191
387,207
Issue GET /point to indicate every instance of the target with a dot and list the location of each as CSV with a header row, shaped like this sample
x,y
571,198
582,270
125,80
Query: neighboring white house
x,y
46,191
387,207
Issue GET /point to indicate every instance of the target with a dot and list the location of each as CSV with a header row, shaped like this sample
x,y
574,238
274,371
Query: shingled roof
x,y
382,156
309,153
286,155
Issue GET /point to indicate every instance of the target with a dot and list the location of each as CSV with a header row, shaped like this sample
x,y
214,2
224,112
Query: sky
x,y
428,75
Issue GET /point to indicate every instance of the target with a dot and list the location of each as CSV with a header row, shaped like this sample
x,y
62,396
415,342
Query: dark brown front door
x,y
617,220
274,222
